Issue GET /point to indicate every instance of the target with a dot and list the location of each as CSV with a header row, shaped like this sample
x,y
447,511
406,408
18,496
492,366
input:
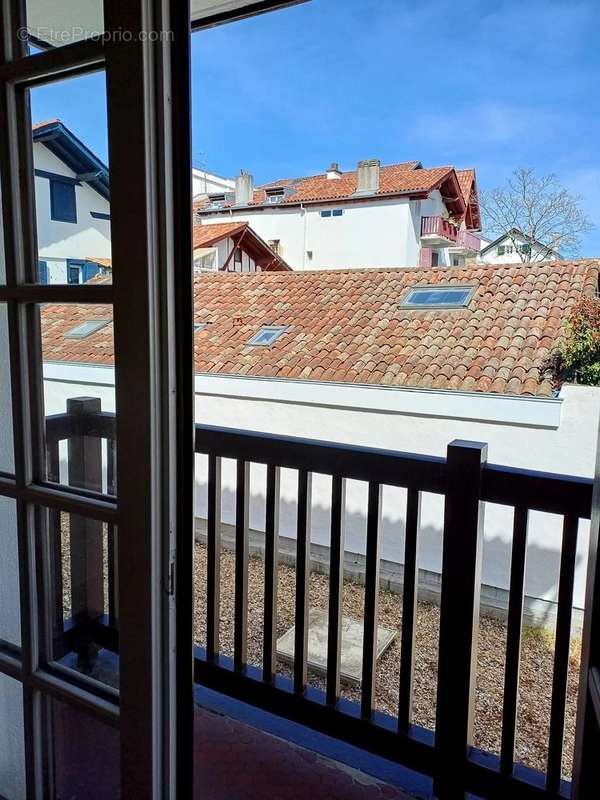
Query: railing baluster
x,y
459,615
240,633
336,587
561,651
213,557
371,597
302,576
271,572
409,607
513,639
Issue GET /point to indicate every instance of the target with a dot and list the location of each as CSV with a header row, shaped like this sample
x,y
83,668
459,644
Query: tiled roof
x,y
348,326
207,234
394,179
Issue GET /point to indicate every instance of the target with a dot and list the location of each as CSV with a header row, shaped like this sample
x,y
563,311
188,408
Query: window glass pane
x,y
7,462
438,297
60,23
70,159
81,596
79,379
12,753
10,620
85,754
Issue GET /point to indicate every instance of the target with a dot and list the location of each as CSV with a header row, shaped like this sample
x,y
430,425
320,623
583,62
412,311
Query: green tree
x,y
577,358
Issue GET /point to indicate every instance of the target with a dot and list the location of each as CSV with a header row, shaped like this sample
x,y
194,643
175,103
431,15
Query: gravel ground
x,y
535,672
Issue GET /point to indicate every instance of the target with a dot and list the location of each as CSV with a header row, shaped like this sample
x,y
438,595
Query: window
x,y
85,329
205,259
525,248
435,258
237,257
267,335
274,195
43,272
438,296
325,213
62,201
336,212
500,250
73,273
275,245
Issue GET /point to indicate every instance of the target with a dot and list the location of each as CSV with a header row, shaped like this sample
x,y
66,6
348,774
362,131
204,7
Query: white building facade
x,y
72,206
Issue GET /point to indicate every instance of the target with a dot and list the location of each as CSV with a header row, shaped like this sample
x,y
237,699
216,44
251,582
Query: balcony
x,y
86,627
438,232
467,244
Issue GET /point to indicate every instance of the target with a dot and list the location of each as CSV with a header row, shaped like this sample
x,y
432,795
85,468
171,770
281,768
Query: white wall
x,y
58,241
206,183
534,434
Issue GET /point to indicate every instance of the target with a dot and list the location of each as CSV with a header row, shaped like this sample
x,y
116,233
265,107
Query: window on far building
x,y
275,245
73,273
63,207
435,258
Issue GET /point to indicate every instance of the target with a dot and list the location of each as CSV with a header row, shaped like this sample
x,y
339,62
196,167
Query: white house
x,y
514,245
401,359
205,183
374,216
72,205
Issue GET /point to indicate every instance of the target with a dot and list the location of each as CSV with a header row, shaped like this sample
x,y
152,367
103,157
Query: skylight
x,y
267,335
85,329
199,326
438,297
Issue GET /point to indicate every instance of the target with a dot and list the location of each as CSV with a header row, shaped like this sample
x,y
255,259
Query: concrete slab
x,y
352,644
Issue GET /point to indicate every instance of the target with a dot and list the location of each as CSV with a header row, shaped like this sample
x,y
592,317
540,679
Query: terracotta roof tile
x,y
349,326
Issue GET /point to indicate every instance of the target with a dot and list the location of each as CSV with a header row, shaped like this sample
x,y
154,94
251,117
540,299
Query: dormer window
x,y
275,195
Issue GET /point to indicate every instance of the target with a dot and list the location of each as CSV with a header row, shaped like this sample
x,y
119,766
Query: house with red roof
x,y
232,247
72,203
373,216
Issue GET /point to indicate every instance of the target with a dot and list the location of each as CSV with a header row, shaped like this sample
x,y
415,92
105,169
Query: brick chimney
x,y
367,176
244,189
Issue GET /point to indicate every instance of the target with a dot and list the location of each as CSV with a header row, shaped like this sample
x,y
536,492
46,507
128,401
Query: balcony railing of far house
x,y
438,230
467,242
467,482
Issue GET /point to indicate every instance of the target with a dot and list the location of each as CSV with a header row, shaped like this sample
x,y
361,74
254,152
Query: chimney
x,y
367,176
333,172
244,189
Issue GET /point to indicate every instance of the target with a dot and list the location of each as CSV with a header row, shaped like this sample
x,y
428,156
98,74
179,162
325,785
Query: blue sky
x,y
494,85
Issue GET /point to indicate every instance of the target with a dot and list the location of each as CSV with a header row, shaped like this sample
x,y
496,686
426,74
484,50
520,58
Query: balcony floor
x,y
235,761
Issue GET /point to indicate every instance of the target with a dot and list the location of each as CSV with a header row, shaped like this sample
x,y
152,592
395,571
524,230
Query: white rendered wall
x,y
206,183
58,241
492,257
562,442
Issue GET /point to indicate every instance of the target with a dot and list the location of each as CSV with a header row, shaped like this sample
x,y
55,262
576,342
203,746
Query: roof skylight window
x,y
267,335
85,329
275,195
199,326
438,297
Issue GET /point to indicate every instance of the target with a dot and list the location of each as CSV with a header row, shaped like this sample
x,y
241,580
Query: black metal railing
x,y
467,482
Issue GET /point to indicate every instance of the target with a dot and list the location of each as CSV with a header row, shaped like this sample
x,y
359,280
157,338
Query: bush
x,y
577,358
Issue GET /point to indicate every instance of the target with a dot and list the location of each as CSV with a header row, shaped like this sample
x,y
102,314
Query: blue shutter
x,y
89,270
62,201
43,272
